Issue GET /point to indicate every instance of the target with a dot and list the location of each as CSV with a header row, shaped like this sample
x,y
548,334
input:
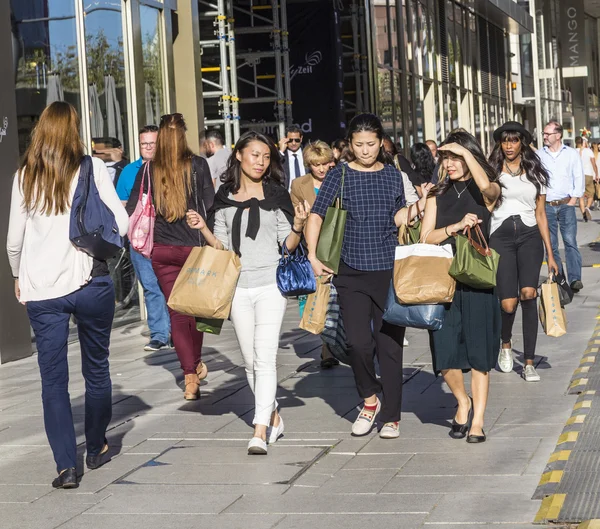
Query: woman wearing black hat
x,y
518,232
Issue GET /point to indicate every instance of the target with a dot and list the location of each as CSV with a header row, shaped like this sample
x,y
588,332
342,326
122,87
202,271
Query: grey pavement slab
x,y
184,464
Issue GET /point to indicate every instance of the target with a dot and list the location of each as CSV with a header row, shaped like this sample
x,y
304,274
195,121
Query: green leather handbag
x,y
329,247
475,264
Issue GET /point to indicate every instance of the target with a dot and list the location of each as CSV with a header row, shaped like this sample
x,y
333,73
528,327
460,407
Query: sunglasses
x,y
294,140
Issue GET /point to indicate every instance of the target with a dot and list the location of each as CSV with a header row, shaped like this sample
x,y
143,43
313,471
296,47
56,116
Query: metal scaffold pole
x,y
235,105
226,97
278,69
285,52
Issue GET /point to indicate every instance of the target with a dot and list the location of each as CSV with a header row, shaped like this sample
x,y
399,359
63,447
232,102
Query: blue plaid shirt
x,y
371,199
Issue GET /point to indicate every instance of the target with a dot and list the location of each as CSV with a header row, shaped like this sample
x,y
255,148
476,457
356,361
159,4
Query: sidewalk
x,y
184,464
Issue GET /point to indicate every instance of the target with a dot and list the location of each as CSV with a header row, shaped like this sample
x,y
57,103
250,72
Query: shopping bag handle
x,y
480,246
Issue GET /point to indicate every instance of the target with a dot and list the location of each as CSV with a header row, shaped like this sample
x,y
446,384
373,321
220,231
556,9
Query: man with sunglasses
x,y
156,306
566,187
290,148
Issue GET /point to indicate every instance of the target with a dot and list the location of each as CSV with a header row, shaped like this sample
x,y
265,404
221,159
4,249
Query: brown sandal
x,y
201,370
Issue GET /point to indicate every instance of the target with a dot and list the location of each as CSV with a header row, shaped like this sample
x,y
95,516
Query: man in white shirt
x,y
218,155
565,188
290,149
590,170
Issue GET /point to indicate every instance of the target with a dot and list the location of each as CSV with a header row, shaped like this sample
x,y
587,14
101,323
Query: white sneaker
x,y
530,374
275,432
505,360
390,430
365,420
257,446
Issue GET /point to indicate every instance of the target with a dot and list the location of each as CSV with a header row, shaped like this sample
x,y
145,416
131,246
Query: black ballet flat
x,y
94,462
459,431
474,439
66,479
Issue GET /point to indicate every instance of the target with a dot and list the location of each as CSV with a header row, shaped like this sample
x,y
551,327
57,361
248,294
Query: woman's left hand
x,y
454,148
301,213
552,266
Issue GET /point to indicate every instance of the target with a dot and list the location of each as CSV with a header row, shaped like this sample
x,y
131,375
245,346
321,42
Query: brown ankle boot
x,y
192,387
201,370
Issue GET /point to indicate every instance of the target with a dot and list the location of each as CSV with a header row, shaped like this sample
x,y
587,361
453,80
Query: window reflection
x,y
152,42
47,65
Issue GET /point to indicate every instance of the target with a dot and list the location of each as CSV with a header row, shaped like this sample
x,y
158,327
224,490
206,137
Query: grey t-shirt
x,y
260,257
217,164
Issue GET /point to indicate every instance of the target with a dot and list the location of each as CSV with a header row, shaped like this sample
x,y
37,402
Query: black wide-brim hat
x,y
513,126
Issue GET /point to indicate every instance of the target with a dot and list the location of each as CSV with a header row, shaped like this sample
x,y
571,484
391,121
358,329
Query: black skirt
x,y
470,335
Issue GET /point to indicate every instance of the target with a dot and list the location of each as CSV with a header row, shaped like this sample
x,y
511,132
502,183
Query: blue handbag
x,y
429,317
93,228
295,276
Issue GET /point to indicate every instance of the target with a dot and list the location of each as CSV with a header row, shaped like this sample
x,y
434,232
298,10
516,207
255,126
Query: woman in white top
x,y
590,170
519,232
56,280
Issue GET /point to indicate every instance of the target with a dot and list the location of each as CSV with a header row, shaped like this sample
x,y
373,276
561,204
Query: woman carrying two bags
x,y
179,181
469,337
254,216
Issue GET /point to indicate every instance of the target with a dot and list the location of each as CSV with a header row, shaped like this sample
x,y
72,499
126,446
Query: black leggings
x,y
521,252
362,298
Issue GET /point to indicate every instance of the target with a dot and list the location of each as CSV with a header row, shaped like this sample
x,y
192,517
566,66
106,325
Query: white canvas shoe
x,y
365,420
390,430
275,432
530,374
257,446
505,360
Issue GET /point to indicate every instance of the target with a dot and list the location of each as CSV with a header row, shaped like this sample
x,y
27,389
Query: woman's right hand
x,y
195,220
319,269
469,221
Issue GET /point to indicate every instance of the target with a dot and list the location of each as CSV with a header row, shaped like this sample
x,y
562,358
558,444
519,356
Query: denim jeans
x,y
94,307
156,306
564,217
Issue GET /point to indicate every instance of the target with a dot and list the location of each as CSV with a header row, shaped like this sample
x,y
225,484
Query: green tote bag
x,y
329,247
475,264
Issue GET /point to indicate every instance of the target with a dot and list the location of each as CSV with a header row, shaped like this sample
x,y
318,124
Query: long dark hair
x,y
232,175
366,123
422,160
468,141
531,164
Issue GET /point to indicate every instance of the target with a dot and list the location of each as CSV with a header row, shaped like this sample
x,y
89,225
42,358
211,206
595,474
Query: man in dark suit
x,y
290,149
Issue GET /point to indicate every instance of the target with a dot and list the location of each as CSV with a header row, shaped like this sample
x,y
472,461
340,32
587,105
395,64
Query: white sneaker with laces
x,y
530,374
365,420
275,432
257,446
505,360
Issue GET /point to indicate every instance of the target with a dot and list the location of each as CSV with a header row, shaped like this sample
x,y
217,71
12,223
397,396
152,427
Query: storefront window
x,y
106,71
152,46
385,99
47,66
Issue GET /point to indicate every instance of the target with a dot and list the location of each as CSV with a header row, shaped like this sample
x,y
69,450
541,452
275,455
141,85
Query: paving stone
x,y
328,521
402,484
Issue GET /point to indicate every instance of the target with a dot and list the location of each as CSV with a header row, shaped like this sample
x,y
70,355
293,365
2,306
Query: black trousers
x,y
362,297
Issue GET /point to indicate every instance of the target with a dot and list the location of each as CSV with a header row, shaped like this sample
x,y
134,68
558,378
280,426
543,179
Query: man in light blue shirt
x,y
156,306
566,186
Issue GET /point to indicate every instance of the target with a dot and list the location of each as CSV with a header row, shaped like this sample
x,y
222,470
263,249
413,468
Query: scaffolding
x,y
355,59
246,67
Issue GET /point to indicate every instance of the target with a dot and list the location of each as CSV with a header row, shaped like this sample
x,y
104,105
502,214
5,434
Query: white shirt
x,y
587,155
292,164
39,250
519,197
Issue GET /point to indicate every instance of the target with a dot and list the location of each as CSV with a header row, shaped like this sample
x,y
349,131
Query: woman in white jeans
x,y
253,216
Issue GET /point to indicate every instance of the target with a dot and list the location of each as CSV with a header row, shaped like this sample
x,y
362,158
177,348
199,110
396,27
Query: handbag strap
x,y
480,246
341,197
195,189
146,178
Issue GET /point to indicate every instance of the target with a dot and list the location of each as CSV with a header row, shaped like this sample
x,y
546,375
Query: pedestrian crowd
x,y
367,240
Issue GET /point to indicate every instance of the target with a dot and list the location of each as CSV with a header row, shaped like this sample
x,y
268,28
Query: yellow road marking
x,y
550,508
561,455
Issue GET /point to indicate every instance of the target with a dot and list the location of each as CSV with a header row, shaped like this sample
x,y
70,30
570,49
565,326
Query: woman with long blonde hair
x,y
180,181
55,280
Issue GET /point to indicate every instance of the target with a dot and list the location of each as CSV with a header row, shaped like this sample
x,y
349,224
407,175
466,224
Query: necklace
x,y
466,187
518,172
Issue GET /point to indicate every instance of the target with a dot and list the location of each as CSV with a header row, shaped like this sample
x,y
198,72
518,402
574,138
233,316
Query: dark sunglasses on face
x,y
294,140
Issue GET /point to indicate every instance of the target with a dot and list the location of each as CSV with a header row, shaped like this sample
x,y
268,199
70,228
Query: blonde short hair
x,y
317,152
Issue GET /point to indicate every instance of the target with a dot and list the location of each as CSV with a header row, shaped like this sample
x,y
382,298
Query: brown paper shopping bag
x,y
206,284
315,310
552,315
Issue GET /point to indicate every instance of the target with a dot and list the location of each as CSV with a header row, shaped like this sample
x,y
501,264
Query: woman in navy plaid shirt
x,y
374,198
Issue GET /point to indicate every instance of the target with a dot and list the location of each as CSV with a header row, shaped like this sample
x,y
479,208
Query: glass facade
x,y
439,65
108,58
